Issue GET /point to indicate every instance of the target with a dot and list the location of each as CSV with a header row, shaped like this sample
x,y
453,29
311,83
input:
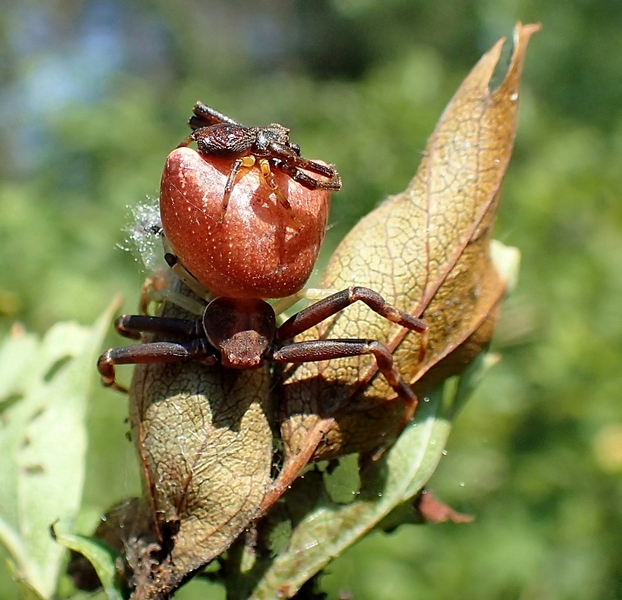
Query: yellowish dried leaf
x,y
205,444
427,251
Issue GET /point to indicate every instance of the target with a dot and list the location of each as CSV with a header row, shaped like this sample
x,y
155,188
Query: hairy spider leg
x,y
331,305
317,350
154,352
187,141
295,172
268,178
244,161
204,116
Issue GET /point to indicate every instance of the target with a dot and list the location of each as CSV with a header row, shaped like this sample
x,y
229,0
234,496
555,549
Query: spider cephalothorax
x,y
242,333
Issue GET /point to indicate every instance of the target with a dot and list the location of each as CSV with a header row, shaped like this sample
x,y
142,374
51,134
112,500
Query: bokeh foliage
x,y
94,94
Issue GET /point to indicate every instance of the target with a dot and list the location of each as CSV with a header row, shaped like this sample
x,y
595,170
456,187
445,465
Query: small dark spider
x,y
218,135
242,333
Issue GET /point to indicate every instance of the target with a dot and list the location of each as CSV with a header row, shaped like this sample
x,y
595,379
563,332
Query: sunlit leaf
x,y
26,591
45,387
427,251
329,528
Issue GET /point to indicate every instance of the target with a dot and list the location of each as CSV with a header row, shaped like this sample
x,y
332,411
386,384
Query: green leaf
x,y
26,591
44,388
100,556
330,528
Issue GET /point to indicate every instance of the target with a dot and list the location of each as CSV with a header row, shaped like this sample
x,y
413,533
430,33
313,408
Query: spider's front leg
x,y
328,349
331,305
294,166
204,116
192,347
244,161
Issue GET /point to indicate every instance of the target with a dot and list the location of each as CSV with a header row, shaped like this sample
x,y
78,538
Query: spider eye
x,y
295,148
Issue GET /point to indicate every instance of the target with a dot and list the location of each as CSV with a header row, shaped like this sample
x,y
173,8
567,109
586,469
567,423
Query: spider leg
x,y
204,116
317,350
315,167
288,159
293,169
188,280
327,307
244,161
331,305
147,291
268,177
154,352
131,325
187,141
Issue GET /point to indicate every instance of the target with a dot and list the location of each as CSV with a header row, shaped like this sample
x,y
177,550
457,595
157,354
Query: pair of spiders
x,y
239,330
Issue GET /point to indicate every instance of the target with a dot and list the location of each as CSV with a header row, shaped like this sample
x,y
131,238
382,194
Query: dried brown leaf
x,y
205,444
427,251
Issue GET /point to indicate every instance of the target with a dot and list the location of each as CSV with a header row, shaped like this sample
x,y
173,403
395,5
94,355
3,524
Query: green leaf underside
x,y
44,387
329,528
26,591
101,557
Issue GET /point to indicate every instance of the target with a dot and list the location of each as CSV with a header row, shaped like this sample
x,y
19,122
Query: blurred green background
x,y
94,94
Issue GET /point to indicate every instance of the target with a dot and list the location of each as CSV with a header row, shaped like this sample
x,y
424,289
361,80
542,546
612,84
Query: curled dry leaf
x,y
427,251
205,444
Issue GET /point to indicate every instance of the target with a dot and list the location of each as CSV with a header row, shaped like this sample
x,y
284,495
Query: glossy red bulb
x,y
256,249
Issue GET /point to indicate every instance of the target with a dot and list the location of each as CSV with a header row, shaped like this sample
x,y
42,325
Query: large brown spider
x,y
242,333
218,135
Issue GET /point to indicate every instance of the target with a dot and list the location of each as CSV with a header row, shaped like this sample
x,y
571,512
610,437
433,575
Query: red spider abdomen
x,y
257,251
